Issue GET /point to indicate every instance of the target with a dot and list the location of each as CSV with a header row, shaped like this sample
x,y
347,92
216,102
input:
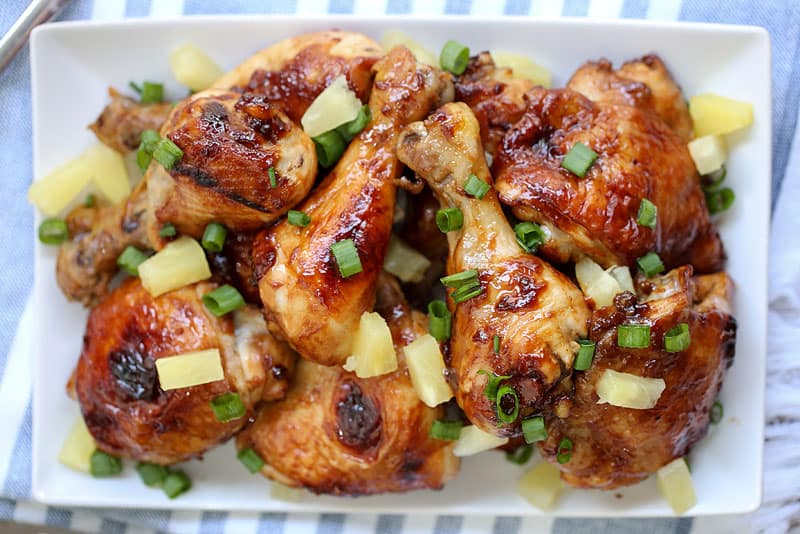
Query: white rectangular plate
x,y
74,63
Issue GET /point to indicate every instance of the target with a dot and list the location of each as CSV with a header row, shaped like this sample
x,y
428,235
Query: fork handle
x,y
36,13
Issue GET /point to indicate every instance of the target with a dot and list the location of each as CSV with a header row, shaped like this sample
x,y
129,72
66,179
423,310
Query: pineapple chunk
x,y
282,492
629,391
76,452
189,369
474,440
394,38
713,114
334,106
108,172
675,484
623,277
426,367
541,486
373,349
709,153
523,67
596,283
179,264
404,262
193,68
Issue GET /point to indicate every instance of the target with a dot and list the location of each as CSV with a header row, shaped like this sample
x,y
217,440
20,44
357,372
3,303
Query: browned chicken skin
x,y
535,310
304,295
121,123
336,433
117,386
616,446
638,157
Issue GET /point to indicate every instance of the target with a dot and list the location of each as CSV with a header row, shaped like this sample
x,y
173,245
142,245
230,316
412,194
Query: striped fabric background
x,y
781,18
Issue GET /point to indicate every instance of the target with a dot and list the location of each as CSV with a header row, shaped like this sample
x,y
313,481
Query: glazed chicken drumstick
x,y
536,313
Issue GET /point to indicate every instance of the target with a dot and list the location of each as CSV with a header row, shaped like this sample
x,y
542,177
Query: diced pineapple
x,y
373,349
629,391
282,492
474,440
193,68
189,369
596,283
109,172
541,486
426,367
709,153
713,114
623,277
52,193
179,264
334,106
394,38
404,262
523,67
76,452
675,484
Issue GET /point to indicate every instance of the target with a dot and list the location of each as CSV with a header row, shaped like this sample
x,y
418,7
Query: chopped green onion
x,y
330,147
350,129
167,153
149,143
228,406
176,483
466,292
130,259
449,219
720,200
677,338
440,320
633,336
90,201
493,384
564,452
648,213
152,93
716,412
454,57
168,230
530,236
711,181
298,218
273,180
53,231
136,87
104,465
585,355
520,455
460,279
222,300
650,264
347,259
251,460
496,343
214,237
151,474
476,187
505,416
446,430
578,160
533,429
143,159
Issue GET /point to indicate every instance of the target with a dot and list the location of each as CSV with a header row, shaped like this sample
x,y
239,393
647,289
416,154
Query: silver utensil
x,y
38,12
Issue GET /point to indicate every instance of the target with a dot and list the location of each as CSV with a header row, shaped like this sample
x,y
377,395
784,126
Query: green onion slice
x,y
633,336
223,300
503,392
716,412
347,258
214,237
720,200
520,455
227,407
648,213
496,343
466,292
585,355
677,338
440,320
330,147
298,218
53,231
104,465
136,87
578,160
564,452
533,429
530,236
493,384
446,430
273,180
350,129
90,201
149,141
650,264
167,153
463,278
130,259
176,483
449,219
454,57
152,93
151,474
476,187
251,460
168,230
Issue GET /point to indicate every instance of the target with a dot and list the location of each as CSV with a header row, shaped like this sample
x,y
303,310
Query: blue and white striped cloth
x,y
781,18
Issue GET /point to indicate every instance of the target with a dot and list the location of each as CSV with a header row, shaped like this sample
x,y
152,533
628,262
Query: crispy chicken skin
x,y
616,446
304,295
338,434
117,385
644,83
638,157
230,141
495,97
536,311
121,123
